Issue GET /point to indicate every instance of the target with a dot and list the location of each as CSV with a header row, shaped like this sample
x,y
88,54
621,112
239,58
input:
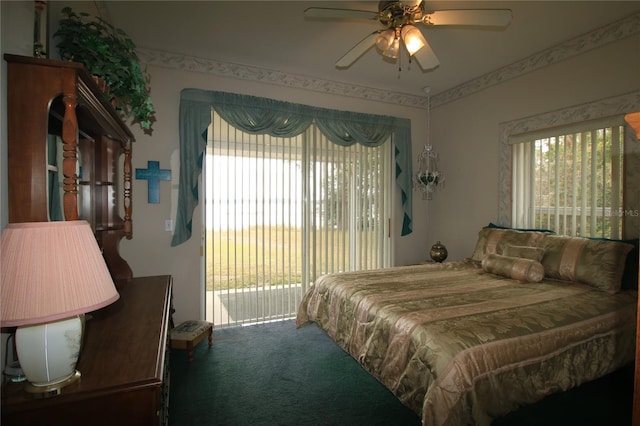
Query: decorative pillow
x,y
492,240
526,252
630,275
516,268
599,263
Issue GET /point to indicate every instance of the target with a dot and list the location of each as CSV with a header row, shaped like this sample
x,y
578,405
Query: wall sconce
x,y
52,274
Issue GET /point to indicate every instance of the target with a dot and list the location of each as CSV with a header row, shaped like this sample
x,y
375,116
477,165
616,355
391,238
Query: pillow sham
x,y
598,263
492,240
526,252
630,275
517,268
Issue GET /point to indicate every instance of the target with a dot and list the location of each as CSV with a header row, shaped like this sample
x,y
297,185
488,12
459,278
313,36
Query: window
x,y
514,185
570,179
281,211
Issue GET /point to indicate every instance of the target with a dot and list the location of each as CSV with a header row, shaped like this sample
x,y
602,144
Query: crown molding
x,y
610,33
269,76
604,35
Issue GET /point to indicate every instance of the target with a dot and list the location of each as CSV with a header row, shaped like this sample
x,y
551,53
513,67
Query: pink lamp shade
x,y
51,271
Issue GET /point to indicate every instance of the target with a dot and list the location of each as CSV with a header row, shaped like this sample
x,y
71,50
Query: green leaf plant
x,y
108,53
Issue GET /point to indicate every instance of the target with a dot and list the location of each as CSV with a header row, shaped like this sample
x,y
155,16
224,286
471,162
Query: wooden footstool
x,y
189,333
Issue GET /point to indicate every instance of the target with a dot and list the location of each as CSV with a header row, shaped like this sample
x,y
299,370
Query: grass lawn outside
x,y
265,256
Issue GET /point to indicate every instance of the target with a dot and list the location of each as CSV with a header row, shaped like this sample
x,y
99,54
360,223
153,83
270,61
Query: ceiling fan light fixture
x,y
402,20
384,40
393,49
413,39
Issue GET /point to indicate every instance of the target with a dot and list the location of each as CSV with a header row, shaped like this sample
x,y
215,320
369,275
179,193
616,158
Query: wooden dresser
x,y
123,362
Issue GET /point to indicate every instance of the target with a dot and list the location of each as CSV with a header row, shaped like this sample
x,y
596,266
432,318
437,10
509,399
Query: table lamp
x,y
52,274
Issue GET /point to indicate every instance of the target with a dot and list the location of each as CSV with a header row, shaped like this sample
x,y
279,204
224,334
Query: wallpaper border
x,y
599,37
607,34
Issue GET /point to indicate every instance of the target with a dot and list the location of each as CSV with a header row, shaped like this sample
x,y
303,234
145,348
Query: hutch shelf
x,y
69,154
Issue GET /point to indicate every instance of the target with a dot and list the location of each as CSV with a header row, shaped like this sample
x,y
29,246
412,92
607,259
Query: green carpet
x,y
275,374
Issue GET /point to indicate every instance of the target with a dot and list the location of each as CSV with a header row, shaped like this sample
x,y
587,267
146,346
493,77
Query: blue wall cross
x,y
153,174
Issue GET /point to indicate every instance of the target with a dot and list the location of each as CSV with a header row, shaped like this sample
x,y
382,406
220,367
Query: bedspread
x,y
461,346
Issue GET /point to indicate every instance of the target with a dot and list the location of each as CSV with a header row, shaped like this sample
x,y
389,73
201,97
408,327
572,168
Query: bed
x,y
528,314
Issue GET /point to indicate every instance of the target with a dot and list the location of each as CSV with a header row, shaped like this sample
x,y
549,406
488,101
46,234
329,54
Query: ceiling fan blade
x,y
327,12
426,58
469,17
358,50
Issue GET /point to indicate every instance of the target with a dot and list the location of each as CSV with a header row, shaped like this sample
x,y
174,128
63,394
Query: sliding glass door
x,y
280,212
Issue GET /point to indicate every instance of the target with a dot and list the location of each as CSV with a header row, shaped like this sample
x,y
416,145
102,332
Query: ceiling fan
x,y
400,20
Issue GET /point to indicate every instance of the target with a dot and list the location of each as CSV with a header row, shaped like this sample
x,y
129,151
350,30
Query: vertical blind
x,y
570,180
281,211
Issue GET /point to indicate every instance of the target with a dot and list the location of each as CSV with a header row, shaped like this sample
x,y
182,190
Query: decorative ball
x,y
438,252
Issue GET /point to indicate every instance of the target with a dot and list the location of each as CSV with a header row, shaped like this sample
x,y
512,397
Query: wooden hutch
x,y
634,121
69,158
58,125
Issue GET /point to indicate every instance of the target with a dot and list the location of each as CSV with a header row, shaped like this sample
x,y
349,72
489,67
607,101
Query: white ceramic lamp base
x,y
48,353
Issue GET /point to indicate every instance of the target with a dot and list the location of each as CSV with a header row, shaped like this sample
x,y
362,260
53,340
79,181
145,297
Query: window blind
x,y
570,179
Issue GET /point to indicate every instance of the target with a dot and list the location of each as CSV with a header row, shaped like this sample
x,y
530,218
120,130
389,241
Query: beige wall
x,y
466,133
16,36
149,252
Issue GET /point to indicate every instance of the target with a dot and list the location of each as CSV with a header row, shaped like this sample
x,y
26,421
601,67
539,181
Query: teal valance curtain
x,y
283,119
